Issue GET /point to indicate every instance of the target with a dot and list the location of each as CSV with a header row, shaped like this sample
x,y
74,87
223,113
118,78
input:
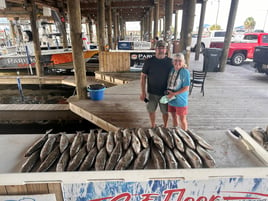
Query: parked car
x,y
217,35
260,59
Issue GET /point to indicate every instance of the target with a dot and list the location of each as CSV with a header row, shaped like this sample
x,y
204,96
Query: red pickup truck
x,y
243,49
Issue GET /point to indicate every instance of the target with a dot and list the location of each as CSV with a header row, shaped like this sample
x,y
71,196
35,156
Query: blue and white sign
x,y
238,188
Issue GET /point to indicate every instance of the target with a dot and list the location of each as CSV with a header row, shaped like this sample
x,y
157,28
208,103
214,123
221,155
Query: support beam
x,y
101,24
200,29
36,42
110,24
168,23
176,25
187,28
115,28
90,29
228,36
77,48
150,22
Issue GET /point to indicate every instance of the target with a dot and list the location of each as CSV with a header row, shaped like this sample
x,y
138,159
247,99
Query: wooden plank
x,y
16,190
114,61
37,188
56,189
3,190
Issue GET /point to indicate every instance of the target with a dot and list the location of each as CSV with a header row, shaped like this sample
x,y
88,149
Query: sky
x,y
258,9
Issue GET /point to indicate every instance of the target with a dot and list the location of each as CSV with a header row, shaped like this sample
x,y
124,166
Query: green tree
x,y
215,27
249,24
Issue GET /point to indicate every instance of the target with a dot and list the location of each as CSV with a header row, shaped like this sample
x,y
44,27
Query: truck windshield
x,y
251,37
220,34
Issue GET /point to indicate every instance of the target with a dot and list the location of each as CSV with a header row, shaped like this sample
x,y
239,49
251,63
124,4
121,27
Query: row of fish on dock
x,y
124,149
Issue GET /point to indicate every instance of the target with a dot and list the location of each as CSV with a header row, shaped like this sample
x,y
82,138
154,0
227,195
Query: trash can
x,y
211,59
96,92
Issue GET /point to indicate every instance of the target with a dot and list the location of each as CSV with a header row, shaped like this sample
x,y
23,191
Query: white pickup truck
x,y
213,36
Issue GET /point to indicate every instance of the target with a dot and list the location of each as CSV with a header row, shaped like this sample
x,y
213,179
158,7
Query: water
x,y
46,94
34,94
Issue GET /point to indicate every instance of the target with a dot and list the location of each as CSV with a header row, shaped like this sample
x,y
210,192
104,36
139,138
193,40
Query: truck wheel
x,y
258,66
237,59
202,47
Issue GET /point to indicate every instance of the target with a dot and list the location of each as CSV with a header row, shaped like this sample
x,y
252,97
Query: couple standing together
x,y
170,77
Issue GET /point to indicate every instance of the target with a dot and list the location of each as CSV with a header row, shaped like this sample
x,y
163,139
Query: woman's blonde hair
x,y
180,56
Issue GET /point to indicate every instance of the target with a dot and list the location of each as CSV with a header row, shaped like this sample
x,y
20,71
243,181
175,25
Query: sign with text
x,y
137,59
237,188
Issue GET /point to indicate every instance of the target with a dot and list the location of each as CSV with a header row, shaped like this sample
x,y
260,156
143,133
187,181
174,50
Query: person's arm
x,y
143,86
171,94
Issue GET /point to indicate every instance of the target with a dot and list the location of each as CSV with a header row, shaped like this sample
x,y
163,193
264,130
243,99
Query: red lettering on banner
x,y
214,197
147,197
123,196
170,195
202,198
173,191
189,199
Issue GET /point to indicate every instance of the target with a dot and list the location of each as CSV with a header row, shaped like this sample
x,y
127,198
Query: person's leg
x,y
175,121
183,122
152,119
172,110
182,114
164,111
165,119
151,108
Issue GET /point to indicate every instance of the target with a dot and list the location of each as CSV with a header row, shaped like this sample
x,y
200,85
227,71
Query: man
x,y
155,74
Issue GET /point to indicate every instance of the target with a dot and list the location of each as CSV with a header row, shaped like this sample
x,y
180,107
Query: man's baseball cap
x,y
161,43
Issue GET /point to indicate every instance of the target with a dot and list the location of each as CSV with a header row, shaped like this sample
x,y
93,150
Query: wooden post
x,y
150,20
145,25
200,29
115,28
101,24
168,23
187,28
90,27
176,25
228,36
64,33
110,23
64,36
77,48
121,22
141,29
156,19
36,42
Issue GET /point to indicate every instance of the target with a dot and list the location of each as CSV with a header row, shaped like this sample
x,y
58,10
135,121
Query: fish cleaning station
x,y
223,155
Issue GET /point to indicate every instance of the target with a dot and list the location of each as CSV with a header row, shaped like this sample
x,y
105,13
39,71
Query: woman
x,y
178,86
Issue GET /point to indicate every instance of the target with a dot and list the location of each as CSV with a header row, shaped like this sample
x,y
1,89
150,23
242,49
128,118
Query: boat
x,y
48,57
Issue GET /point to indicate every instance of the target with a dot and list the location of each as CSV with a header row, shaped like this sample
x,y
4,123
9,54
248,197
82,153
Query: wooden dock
x,y
236,97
